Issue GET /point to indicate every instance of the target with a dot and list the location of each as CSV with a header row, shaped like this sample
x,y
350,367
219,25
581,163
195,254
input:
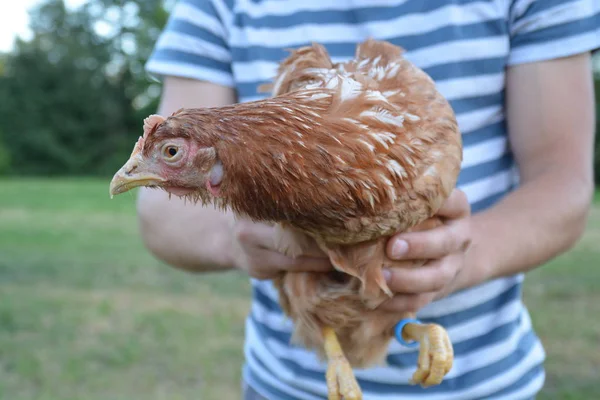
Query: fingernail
x,y
387,274
399,249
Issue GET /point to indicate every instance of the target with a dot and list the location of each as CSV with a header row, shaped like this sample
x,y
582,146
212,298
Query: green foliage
x,y
5,159
72,98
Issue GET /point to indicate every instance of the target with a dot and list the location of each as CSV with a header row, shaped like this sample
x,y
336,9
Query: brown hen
x,y
345,155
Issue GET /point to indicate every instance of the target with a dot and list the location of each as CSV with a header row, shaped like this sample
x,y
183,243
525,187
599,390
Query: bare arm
x,y
550,109
185,235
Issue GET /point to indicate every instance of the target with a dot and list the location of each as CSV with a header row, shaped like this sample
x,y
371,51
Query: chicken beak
x,y
132,175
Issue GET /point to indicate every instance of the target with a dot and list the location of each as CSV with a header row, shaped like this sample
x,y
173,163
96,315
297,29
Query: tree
x,y
73,97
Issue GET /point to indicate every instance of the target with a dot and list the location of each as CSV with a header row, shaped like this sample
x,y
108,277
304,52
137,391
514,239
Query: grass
x,y
86,313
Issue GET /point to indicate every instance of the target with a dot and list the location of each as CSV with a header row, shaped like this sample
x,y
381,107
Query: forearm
x,y
184,235
535,223
550,117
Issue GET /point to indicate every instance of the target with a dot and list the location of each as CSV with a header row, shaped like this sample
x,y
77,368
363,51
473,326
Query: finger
x,y
456,206
432,277
404,303
431,244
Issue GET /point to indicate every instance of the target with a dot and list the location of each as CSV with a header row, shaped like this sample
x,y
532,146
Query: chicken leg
x,y
341,383
436,354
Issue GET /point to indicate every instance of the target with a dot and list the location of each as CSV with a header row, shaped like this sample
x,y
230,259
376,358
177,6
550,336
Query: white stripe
x,y
470,86
408,24
557,15
473,120
193,45
486,151
486,187
189,71
195,16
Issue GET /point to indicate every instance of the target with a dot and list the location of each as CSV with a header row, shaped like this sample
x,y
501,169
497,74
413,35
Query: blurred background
x,y
85,312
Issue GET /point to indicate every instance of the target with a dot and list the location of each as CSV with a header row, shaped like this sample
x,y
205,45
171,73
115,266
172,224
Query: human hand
x,y
427,264
258,250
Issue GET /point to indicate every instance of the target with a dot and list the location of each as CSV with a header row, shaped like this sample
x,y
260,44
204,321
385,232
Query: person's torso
x,y
463,45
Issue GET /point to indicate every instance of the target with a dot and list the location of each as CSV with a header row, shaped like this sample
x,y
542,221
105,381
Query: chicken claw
x,y
436,354
341,383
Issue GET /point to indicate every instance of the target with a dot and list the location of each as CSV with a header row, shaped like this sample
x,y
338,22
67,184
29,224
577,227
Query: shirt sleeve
x,y
546,29
194,43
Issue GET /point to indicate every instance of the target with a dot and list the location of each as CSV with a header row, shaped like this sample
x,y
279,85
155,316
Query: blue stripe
x,y
480,171
557,32
461,106
265,301
487,132
351,16
184,27
176,56
448,320
469,379
465,69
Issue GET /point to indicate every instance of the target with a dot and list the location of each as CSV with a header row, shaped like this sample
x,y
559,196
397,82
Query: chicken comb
x,y
151,123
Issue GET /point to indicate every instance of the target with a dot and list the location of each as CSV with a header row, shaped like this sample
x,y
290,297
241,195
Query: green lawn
x,y
86,313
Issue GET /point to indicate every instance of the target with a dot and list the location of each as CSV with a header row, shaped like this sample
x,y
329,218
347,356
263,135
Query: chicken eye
x,y
170,151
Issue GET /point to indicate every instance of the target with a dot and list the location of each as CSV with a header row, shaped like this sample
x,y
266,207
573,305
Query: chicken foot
x,y
436,354
341,383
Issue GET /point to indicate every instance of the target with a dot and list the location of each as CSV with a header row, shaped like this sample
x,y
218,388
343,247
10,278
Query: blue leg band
x,y
398,332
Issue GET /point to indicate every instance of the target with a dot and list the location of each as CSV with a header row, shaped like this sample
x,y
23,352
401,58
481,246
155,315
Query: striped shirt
x,y
465,46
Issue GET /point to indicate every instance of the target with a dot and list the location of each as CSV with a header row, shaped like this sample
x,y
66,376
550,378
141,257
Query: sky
x,y
14,20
